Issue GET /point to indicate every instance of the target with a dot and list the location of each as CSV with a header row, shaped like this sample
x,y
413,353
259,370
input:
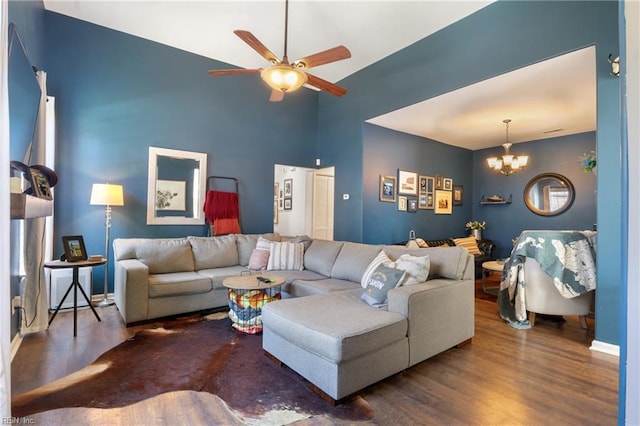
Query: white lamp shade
x,y
104,194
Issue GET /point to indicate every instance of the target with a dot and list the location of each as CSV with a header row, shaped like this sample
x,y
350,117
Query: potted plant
x,y
476,228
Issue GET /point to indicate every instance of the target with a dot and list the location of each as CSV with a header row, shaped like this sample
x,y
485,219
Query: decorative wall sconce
x,y
615,65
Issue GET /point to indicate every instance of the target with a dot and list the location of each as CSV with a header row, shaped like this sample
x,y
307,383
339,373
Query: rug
x,y
198,353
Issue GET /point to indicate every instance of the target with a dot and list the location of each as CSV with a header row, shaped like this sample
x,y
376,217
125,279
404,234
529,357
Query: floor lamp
x,y
103,194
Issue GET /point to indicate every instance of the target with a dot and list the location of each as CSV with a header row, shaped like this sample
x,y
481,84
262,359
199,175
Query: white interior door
x,y
323,191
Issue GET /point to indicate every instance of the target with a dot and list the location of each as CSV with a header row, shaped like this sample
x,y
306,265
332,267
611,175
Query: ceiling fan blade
x,y
331,55
276,95
257,45
235,71
325,85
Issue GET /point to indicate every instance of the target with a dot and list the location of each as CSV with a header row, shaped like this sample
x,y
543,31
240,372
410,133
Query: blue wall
x,y
501,37
116,95
387,150
555,155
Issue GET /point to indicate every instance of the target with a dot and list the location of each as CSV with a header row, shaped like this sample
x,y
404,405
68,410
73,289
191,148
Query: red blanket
x,y
221,211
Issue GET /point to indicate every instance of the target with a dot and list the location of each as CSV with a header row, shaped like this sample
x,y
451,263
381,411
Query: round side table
x,y
75,285
247,296
489,268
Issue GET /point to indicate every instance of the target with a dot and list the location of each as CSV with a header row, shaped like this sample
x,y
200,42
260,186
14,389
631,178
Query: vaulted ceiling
x,y
553,98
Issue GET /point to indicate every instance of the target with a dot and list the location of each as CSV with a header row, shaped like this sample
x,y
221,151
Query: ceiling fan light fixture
x,y
284,77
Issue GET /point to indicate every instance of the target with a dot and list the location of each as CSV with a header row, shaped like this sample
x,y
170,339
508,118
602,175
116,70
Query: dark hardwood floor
x,y
542,376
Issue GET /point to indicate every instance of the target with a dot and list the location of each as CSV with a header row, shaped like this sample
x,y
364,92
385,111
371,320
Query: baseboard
x,y
95,298
606,348
15,345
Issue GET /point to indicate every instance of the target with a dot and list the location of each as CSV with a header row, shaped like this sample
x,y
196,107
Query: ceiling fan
x,y
283,76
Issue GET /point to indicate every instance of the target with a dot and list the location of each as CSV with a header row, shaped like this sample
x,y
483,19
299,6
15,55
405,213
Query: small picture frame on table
x,y
74,248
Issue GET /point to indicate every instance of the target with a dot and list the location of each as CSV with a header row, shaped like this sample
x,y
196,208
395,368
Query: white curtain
x,y
5,294
34,293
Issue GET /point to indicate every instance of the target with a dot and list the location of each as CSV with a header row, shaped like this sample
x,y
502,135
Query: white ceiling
x,y
544,98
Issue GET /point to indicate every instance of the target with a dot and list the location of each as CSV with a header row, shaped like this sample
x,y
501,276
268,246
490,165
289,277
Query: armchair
x,y
542,297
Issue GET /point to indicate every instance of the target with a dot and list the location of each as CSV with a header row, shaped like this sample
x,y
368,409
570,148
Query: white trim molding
x,y
606,348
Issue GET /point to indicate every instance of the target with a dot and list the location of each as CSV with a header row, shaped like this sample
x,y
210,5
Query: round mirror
x,y
549,194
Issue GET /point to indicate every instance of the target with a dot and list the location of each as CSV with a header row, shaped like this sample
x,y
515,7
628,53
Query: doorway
x,y
304,201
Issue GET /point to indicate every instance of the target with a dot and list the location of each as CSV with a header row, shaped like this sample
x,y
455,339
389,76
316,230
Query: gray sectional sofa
x,y
321,328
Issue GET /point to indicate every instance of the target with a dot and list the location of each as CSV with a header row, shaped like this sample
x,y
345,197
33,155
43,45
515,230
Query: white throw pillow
x,y
380,259
286,256
416,268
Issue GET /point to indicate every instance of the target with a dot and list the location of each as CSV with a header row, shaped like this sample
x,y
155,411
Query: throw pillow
x,y
259,260
380,259
286,256
263,244
416,267
470,243
381,281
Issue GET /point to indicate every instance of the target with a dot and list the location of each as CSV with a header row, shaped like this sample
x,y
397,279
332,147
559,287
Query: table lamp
x,y
104,194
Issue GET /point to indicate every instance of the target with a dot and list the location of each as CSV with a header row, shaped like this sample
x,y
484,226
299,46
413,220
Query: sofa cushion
x,y
177,284
336,326
217,275
416,268
321,255
352,261
380,259
165,255
286,256
470,243
214,252
309,287
445,262
381,281
247,243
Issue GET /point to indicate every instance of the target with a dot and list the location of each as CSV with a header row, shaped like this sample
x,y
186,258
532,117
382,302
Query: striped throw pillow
x,y
286,256
469,243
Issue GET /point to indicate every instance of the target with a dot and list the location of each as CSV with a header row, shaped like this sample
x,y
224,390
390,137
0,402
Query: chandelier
x,y
507,163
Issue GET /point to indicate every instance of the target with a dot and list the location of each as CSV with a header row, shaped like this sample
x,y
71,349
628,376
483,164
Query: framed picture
x,y
171,195
439,182
422,200
287,203
275,190
74,248
412,205
457,195
40,184
402,203
388,188
288,187
425,192
443,202
407,182
447,184
430,202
